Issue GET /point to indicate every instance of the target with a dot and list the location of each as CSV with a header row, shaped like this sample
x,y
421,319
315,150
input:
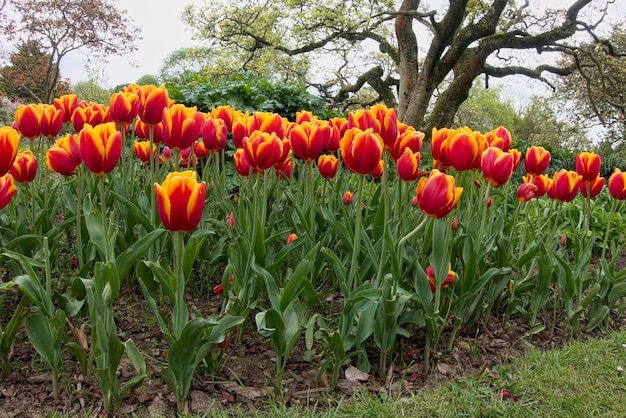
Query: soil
x,y
244,380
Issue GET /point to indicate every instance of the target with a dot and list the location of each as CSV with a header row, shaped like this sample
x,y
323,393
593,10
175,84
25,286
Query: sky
x,y
163,32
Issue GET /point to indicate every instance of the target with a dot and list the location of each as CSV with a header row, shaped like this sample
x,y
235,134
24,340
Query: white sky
x,y
162,32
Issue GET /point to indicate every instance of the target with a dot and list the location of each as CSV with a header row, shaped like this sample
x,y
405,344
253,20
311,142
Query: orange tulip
x,y
361,150
291,238
262,149
142,150
7,190
100,147
64,157
437,194
617,185
124,107
465,150
180,201
327,164
24,168
9,144
181,126
409,165
51,121
67,103
152,101
537,160
28,120
498,166
308,139
214,134
592,188
564,185
588,165
430,275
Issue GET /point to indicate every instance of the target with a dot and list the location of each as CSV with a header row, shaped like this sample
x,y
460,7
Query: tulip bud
x,y
414,201
563,240
347,198
231,221
489,202
291,238
107,294
74,265
222,346
455,223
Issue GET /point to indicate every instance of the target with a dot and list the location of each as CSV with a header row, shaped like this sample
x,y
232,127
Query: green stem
x,y
386,204
79,219
356,247
310,201
123,158
105,226
181,314
608,229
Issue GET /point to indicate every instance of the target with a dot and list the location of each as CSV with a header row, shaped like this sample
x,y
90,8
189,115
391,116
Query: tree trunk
x,y
407,48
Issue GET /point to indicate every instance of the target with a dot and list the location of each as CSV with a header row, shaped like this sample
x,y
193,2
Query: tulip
x,y
408,138
291,238
592,188
51,121
327,165
361,151
564,185
100,147
617,185
525,192
497,166
262,149
24,168
588,165
180,201
28,120
9,144
152,101
309,139
64,157
339,126
181,126
284,168
200,150
439,145
166,155
124,107
500,138
541,183
240,131
305,116
437,194
142,130
67,103
242,165
408,165
7,190
347,197
226,114
214,134
269,123
465,151
537,160
142,150
430,275
378,170
90,113
231,221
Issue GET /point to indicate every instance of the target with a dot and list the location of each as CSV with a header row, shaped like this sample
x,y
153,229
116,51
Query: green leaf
x,y
94,222
126,259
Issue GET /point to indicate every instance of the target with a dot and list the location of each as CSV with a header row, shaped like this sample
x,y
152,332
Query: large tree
x,y
419,58
96,27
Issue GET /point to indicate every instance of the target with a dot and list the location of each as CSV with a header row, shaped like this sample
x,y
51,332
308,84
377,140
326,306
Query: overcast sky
x,y
162,32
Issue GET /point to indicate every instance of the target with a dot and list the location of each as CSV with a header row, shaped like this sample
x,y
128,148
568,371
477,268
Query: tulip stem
x,y
386,204
356,245
309,192
608,229
180,315
105,229
79,219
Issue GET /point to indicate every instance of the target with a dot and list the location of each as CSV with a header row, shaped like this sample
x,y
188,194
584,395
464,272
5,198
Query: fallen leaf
x,y
354,374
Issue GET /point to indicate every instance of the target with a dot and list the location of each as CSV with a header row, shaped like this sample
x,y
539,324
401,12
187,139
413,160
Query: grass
x,y
577,380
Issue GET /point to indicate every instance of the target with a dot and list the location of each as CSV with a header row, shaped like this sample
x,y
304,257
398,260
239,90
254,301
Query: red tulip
x,y
291,238
262,149
408,138
24,168
9,144
327,165
541,182
284,168
181,126
525,192
51,121
309,139
214,134
142,150
152,101
537,160
100,147
497,166
67,103
564,185
180,201
430,275
28,120
64,157
347,197
409,165
7,190
240,131
439,145
242,165
124,107
588,165
361,151
90,113
231,221
617,185
226,114
592,188
437,194
465,150
142,130
500,138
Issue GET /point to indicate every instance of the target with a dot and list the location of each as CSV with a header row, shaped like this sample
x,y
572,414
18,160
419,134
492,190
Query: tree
x,y
96,27
378,43
93,90
22,78
485,109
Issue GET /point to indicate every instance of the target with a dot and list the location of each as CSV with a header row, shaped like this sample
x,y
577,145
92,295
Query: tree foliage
x,y
419,58
95,27
486,109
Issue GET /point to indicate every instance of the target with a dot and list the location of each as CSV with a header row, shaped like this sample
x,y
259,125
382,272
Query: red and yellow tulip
x,y
262,149
9,144
500,138
525,192
537,160
89,113
180,201
498,166
51,121
7,190
408,138
152,101
100,147
124,107
67,103
617,185
430,275
308,139
588,165
214,134
409,165
361,151
24,168
564,185
592,188
64,156
347,197
242,165
437,194
28,120
181,126
328,164
465,150
142,150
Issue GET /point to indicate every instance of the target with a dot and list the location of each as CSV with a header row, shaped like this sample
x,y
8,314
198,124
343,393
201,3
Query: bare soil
x,y
244,380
